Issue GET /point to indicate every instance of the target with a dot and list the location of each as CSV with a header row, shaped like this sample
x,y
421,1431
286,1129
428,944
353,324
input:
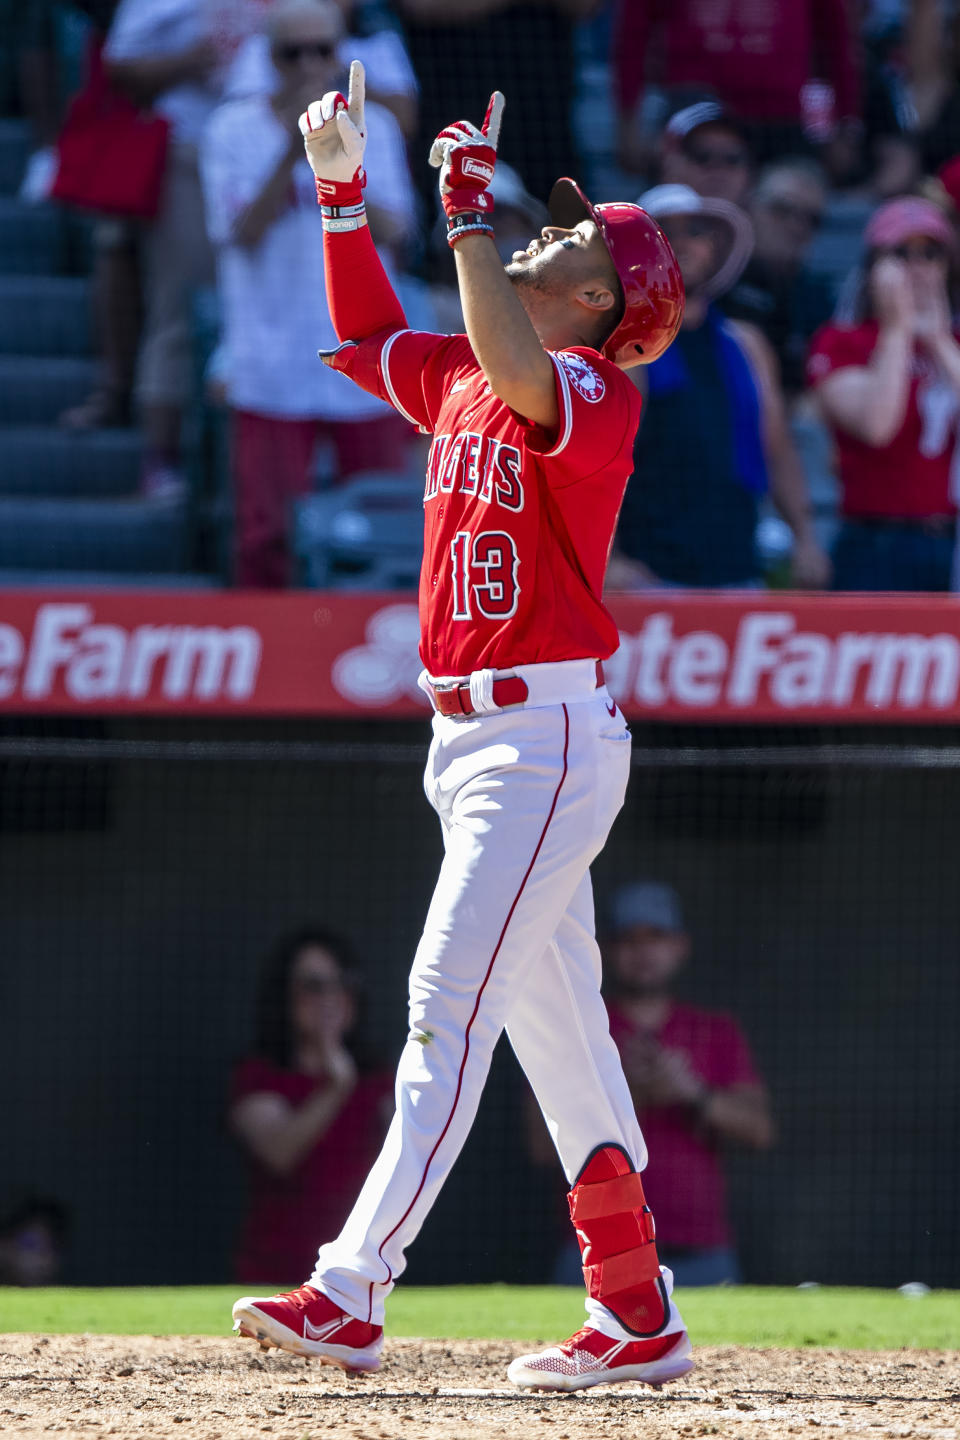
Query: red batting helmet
x,y
647,267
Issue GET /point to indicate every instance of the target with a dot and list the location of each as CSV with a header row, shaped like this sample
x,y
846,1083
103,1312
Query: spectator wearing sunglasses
x,y
705,146
264,219
370,35
886,376
308,1114
778,292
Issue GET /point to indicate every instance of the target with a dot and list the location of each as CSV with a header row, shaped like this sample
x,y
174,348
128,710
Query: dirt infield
x,y
98,1385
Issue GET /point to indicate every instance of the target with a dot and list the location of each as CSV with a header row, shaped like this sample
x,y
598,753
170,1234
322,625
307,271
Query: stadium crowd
x,y
802,157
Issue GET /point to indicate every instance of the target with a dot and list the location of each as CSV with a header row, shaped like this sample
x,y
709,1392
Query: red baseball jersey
x,y
518,520
910,477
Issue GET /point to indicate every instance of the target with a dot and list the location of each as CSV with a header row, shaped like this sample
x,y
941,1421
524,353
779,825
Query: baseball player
x,y
533,421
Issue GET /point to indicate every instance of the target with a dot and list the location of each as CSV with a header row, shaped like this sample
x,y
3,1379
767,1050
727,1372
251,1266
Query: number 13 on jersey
x,y
484,569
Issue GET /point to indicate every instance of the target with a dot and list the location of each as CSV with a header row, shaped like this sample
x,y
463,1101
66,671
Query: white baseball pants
x,y
526,798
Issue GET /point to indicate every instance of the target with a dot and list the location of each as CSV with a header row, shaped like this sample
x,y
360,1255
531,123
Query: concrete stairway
x,y
69,503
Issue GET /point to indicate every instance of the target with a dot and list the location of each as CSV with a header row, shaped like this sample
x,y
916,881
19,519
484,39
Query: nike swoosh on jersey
x,y
458,385
612,707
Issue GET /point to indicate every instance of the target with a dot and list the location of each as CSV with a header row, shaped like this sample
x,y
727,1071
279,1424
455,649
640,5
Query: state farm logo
x,y
772,665
386,667
582,376
67,654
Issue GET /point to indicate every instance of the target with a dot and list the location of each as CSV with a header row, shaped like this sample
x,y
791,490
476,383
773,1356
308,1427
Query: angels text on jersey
x,y
472,464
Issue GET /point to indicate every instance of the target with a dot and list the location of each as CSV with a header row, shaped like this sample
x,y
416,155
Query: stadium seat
x,y
33,238
129,535
41,460
14,149
45,315
69,503
366,535
815,449
837,246
34,389
106,580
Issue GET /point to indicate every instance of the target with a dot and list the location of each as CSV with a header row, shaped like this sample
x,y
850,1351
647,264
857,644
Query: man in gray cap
x,y
692,1078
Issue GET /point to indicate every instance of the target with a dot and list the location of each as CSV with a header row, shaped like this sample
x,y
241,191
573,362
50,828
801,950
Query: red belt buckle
x,y
456,699
451,700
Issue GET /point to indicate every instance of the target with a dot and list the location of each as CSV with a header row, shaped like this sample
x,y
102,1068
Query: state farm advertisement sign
x,y
773,657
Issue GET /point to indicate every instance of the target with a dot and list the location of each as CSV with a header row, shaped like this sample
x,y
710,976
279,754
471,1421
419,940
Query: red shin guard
x,y
615,1229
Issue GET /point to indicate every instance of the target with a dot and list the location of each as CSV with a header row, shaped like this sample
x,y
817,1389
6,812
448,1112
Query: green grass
x,y
846,1319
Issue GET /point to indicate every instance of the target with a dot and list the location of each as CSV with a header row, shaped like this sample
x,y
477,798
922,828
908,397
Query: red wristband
x,y
342,192
474,201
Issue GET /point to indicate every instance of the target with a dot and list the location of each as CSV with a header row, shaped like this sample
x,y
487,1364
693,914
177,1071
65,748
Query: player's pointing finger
x,y
356,93
491,121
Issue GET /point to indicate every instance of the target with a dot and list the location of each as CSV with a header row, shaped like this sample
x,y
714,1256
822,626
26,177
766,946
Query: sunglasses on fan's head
x,y
810,216
292,51
919,250
720,157
686,227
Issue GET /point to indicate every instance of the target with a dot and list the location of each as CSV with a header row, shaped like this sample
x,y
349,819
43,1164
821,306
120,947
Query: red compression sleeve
x,y
360,297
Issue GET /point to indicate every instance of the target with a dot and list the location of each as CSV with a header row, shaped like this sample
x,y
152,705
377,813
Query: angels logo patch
x,y
584,379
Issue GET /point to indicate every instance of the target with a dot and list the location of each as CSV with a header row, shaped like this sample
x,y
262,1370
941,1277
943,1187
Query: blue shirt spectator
x,y
713,438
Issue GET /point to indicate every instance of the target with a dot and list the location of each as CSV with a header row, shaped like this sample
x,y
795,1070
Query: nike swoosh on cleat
x,y
321,1332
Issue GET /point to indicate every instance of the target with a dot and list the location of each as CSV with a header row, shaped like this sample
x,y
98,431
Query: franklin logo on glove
x,y
480,168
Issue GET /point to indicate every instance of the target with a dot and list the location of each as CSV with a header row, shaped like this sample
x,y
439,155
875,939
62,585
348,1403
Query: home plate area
x,y
98,1385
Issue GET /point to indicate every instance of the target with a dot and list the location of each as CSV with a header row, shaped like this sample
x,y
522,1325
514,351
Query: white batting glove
x,y
334,136
466,156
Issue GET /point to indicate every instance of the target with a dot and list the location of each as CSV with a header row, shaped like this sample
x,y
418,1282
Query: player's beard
x,y
534,279
537,288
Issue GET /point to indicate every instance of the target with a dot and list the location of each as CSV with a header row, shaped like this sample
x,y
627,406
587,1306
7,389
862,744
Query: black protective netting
x,y
144,871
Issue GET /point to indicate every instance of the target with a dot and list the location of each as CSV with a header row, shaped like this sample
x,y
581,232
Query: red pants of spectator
x,y
271,465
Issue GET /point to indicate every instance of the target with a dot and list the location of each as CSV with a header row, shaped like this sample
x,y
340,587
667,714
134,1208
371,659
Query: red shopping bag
x,y
112,155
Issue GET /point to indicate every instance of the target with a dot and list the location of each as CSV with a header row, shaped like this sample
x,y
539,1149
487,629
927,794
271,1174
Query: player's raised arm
x,y
504,341
361,299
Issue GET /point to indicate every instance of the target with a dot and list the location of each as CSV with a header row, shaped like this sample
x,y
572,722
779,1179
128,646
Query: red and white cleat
x,y
305,1322
590,1358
